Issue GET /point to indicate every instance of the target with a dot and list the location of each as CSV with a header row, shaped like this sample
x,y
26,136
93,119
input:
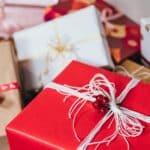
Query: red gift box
x,y
44,123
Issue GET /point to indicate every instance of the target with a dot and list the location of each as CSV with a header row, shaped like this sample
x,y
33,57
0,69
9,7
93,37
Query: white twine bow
x,y
127,122
138,73
7,26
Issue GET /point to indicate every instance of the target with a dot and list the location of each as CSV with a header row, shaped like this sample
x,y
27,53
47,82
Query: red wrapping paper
x,y
44,123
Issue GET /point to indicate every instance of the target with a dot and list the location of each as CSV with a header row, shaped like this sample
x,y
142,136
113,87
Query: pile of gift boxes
x,y
74,74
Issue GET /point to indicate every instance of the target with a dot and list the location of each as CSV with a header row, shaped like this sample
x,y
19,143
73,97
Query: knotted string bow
x,y
127,122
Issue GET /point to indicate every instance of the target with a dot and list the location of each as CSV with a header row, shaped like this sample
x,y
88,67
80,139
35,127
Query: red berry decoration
x,y
101,103
99,98
105,101
103,110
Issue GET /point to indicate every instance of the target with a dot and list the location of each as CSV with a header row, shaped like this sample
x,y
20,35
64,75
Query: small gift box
x,y
46,49
85,108
33,2
145,43
10,101
132,69
136,9
16,17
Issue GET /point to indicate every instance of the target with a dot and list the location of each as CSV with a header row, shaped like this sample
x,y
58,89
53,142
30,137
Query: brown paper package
x,y
10,101
135,70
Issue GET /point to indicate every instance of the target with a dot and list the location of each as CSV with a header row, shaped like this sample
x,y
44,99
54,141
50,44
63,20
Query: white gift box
x,y
135,9
33,2
45,50
145,43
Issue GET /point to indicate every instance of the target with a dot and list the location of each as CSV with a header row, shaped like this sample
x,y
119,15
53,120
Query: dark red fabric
x,y
44,124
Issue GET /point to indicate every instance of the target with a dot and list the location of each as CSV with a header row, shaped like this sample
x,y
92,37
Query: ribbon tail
x,y
132,84
144,75
135,114
72,92
85,143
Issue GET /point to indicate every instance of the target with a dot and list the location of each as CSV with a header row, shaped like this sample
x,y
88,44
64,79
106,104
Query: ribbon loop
x,y
107,15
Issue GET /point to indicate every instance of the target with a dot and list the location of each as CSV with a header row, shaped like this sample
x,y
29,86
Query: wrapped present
x,y
145,42
134,70
15,17
136,9
85,108
10,100
33,2
52,45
